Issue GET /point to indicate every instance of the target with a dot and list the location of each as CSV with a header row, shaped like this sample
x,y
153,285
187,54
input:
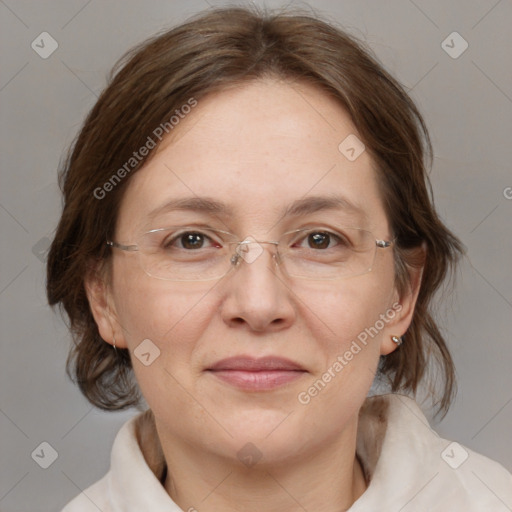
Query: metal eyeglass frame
x,y
236,257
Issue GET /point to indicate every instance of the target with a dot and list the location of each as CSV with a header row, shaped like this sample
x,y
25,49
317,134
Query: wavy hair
x,y
212,51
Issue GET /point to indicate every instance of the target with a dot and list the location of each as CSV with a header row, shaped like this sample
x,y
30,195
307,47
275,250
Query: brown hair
x,y
212,51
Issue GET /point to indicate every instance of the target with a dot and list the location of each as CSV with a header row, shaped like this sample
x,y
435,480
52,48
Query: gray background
x,y
467,103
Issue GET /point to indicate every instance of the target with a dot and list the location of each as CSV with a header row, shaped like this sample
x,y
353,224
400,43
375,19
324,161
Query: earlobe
x,y
407,301
397,340
98,295
390,344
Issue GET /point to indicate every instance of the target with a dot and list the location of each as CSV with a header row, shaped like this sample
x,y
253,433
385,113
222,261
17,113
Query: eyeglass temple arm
x,y
379,243
117,245
121,246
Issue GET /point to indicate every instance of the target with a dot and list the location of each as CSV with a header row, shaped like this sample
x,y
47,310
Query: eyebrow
x,y
300,207
313,204
196,204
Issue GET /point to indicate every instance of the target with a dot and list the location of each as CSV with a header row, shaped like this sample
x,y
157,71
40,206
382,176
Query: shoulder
x,y
474,480
125,454
133,481
411,466
94,498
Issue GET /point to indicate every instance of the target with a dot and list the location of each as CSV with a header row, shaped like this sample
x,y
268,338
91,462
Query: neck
x,y
325,479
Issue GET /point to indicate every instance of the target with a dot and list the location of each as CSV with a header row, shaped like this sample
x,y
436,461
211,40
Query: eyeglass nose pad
x,y
276,256
237,258
249,250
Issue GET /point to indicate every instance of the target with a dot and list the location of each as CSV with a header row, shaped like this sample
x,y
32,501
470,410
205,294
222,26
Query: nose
x,y
257,296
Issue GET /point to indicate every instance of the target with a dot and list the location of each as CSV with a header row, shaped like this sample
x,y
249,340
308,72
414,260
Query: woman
x,y
249,240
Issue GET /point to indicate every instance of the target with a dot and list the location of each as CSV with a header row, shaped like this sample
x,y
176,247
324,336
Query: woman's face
x,y
255,151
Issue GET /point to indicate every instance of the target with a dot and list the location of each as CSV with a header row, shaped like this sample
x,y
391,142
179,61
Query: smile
x,y
257,374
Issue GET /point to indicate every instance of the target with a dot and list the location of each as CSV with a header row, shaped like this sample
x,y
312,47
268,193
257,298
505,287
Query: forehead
x,y
256,149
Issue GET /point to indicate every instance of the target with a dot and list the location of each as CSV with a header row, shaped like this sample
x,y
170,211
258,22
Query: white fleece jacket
x,y
409,467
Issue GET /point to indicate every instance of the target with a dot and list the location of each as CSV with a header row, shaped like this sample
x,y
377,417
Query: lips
x,y
257,374
251,364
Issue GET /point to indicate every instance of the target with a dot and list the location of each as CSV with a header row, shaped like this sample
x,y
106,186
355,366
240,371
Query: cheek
x,y
172,315
346,311
346,324
165,320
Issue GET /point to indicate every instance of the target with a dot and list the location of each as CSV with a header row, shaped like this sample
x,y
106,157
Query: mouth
x,y
256,374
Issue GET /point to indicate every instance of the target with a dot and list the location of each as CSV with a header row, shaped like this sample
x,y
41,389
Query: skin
x,y
256,148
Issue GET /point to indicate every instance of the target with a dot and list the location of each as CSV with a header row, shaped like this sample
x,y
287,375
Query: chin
x,y
273,434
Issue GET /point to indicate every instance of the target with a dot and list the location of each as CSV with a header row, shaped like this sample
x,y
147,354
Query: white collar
x,y
401,455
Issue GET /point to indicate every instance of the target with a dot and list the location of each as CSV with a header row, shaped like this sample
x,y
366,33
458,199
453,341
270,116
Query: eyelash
x,y
340,239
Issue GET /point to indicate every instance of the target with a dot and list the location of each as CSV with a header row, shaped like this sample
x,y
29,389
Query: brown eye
x,y
323,240
319,240
192,240
188,240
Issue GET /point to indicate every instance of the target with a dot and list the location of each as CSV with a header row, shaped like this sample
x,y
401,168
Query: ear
x,y
102,306
404,304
